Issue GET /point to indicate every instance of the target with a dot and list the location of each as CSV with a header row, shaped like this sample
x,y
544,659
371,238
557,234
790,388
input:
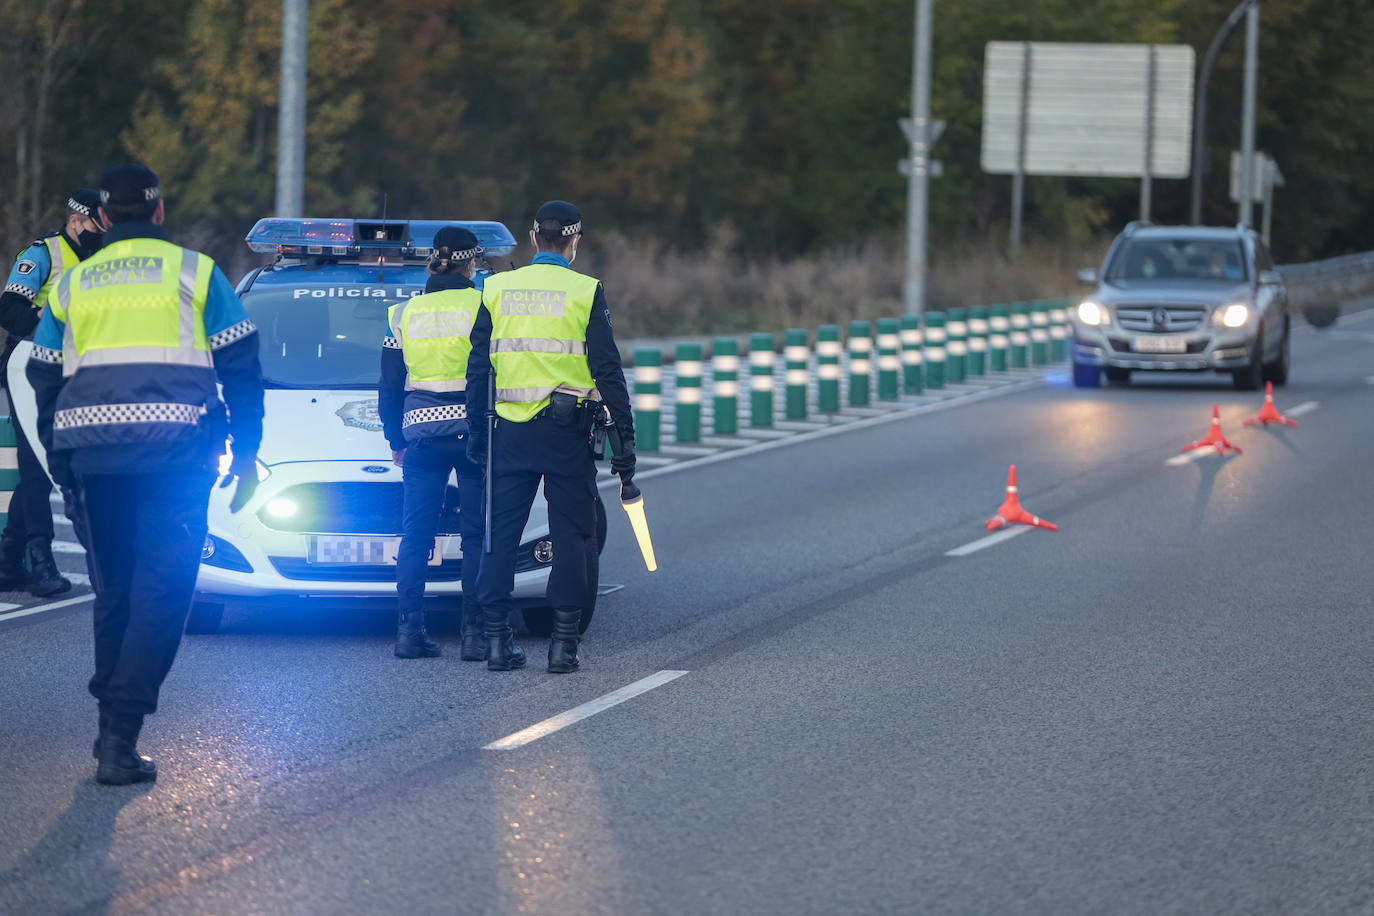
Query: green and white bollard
x,y
725,365
889,363
687,365
648,398
828,368
913,381
978,340
1059,331
9,467
1020,335
956,345
1040,332
999,345
797,354
761,358
935,349
860,362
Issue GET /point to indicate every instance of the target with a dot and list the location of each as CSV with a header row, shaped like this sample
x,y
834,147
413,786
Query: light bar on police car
x,y
349,238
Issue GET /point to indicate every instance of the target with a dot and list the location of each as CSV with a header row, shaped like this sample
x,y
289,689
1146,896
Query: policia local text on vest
x,y
545,332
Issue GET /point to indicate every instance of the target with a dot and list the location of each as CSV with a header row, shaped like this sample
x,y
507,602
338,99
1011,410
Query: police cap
x,y
129,186
462,245
558,219
84,201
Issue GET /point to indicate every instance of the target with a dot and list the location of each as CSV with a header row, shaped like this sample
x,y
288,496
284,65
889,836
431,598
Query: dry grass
x,y
656,291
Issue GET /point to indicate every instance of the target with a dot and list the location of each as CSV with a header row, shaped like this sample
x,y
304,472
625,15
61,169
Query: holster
x,y
563,409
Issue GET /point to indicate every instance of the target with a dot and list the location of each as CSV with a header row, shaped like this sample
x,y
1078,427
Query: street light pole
x,y
1200,107
918,182
1247,124
291,110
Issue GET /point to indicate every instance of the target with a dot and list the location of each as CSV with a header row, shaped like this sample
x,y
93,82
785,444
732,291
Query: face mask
x,y
89,242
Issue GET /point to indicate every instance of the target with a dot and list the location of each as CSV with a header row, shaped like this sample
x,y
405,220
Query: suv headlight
x,y
1090,313
1231,316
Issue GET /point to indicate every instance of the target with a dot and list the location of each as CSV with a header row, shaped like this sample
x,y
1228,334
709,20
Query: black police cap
x,y
83,201
558,218
460,242
128,185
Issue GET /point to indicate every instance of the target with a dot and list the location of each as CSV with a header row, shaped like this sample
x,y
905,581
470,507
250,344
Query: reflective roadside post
x,y
798,356
889,363
956,345
725,364
1020,335
860,364
1059,331
9,466
687,368
648,397
999,325
761,380
1040,332
935,349
828,368
913,381
978,340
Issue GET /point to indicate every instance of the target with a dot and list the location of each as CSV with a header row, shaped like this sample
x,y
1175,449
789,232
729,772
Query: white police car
x,y
325,522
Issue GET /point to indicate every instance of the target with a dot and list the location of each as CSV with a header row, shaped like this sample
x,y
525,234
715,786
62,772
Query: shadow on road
x,y
1208,469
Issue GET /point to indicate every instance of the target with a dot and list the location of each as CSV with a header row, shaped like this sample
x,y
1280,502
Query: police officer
x,y
26,292
125,363
424,416
545,331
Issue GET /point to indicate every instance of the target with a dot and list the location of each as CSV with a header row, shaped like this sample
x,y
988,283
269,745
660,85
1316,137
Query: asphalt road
x,y
1164,707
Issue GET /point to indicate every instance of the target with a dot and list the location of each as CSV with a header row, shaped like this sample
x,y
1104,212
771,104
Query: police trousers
x,y
522,455
30,514
146,533
427,465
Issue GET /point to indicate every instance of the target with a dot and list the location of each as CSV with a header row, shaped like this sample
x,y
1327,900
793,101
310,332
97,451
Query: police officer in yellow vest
x,y
125,364
545,330
423,410
26,292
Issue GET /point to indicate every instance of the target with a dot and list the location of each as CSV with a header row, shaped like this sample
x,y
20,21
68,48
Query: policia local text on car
x,y
26,293
545,332
125,363
423,410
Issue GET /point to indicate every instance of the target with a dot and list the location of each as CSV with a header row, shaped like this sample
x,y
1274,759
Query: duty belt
x,y
434,414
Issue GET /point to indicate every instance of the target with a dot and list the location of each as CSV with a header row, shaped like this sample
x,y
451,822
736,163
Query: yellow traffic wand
x,y
632,501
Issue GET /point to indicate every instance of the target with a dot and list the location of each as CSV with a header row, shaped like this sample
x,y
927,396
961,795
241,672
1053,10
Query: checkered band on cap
x,y
77,206
466,254
566,230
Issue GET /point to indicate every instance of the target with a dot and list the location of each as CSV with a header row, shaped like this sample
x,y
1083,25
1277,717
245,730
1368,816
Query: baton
x,y
632,501
486,478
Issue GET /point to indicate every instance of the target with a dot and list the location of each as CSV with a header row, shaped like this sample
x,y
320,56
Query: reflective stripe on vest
x,y
136,301
440,414
539,318
63,258
433,332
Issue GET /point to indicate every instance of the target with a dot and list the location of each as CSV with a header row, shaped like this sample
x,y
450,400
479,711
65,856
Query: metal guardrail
x,y
1316,289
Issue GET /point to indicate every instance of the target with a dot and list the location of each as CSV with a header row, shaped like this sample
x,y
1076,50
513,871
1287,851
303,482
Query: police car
x,y
325,522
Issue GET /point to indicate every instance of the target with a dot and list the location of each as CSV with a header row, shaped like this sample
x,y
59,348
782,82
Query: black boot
x,y
474,640
104,727
13,574
563,645
119,763
46,579
411,639
502,652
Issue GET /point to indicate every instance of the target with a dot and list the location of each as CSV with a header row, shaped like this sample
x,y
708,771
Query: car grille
x,y
352,507
1142,317
297,568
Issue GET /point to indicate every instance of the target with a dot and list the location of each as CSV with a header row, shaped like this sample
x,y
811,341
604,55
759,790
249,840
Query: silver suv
x,y
1183,298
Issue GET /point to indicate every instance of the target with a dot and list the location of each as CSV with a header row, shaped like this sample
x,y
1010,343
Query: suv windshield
x,y
1217,260
314,337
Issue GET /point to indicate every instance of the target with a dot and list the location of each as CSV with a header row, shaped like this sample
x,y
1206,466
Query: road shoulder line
x,y
584,711
997,538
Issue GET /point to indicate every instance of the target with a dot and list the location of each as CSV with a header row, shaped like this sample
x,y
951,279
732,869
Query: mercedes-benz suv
x,y
1183,298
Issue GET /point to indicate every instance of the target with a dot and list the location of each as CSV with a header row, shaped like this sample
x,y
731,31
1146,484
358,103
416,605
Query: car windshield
x,y
322,337
1215,260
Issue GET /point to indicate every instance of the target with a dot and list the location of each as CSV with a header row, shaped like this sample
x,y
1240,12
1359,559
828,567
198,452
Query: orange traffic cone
x,y
1269,413
1214,436
1011,513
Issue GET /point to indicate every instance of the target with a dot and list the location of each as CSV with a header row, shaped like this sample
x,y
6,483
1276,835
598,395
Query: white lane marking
x,y
5,606
1304,407
60,546
51,606
586,710
1194,455
996,538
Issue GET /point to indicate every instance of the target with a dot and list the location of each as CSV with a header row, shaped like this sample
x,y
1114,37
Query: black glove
x,y
245,470
60,469
623,461
477,450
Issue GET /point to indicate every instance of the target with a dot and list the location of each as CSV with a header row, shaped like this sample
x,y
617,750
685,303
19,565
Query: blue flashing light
x,y
351,239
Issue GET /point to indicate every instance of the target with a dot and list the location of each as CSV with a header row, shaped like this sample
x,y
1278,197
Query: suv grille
x,y
1160,318
352,507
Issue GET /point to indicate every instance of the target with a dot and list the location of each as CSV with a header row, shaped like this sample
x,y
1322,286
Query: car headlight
x,y
282,508
227,459
1090,313
1232,316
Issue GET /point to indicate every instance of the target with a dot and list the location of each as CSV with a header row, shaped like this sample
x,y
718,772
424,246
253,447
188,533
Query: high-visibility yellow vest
x,y
434,332
539,318
63,257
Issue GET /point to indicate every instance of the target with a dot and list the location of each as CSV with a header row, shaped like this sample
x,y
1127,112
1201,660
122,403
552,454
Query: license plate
x,y
363,551
1160,344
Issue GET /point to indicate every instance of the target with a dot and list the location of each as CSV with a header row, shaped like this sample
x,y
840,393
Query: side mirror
x,y
1087,276
1270,278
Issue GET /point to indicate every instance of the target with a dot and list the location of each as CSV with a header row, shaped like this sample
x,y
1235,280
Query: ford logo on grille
x,y
1161,318
376,468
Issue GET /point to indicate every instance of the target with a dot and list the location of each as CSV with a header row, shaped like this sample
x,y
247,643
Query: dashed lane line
x,y
585,711
41,608
1188,457
1304,407
1005,534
